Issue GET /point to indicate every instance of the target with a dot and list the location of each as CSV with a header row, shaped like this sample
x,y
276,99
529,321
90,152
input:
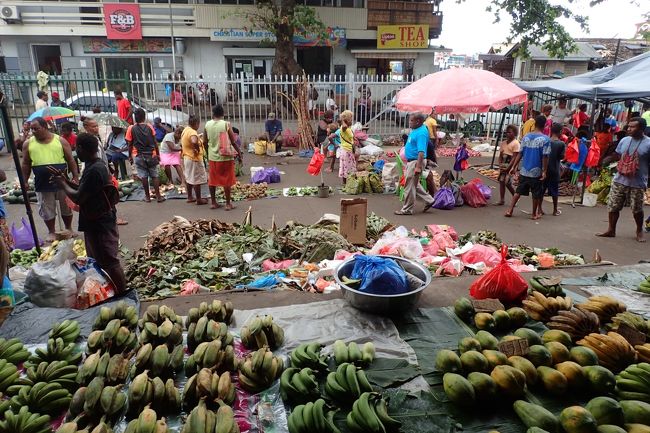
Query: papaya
x,y
494,358
606,410
606,428
636,412
474,361
510,338
539,355
468,343
601,380
553,381
525,366
533,415
484,321
576,419
637,428
518,317
464,309
511,382
448,361
501,319
458,389
559,351
583,356
557,335
574,373
530,335
484,386
487,340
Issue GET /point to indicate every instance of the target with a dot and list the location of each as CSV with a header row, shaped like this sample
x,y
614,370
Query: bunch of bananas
x,y
115,338
644,287
78,247
643,353
575,322
75,426
48,398
632,320
605,307
547,286
542,308
114,369
126,314
633,383
308,355
5,405
167,332
56,350
147,422
98,400
347,383
211,355
162,396
613,351
217,311
370,414
13,351
157,314
299,386
206,330
8,374
312,418
68,331
260,332
56,371
352,353
259,370
210,386
203,420
24,421
159,361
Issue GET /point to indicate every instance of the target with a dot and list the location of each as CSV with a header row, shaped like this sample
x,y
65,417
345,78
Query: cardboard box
x,y
353,220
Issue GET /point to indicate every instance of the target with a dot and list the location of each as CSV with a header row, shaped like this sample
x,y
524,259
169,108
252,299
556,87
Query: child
x,y
460,162
552,179
333,142
348,161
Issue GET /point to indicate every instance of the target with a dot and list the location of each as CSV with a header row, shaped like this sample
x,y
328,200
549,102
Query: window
x,y
47,58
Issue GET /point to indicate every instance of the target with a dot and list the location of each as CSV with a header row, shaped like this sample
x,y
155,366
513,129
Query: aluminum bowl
x,y
383,304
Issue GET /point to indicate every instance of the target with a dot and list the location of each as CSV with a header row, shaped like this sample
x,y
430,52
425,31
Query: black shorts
x,y
552,187
530,185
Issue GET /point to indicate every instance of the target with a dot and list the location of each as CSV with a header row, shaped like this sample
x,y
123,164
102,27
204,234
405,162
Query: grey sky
x,y
467,28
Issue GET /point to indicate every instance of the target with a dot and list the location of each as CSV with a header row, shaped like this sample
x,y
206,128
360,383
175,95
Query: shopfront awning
x,y
389,54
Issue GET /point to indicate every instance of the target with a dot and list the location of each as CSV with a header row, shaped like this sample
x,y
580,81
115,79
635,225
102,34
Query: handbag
x,y
628,165
225,146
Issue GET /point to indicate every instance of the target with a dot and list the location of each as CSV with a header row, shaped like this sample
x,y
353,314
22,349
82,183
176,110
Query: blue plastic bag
x,y
379,275
266,282
378,166
444,199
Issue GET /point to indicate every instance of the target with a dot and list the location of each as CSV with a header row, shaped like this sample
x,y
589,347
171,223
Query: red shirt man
x,y
124,109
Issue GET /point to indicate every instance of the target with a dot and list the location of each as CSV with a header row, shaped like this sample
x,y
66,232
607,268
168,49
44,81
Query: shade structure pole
x,y
498,137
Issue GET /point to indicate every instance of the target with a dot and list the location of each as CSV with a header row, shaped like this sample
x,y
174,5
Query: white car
x,y
83,102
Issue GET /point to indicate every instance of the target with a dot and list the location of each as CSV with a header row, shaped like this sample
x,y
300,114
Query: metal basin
x,y
384,304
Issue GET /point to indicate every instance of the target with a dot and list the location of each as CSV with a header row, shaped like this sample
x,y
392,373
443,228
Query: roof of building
x,y
627,49
584,52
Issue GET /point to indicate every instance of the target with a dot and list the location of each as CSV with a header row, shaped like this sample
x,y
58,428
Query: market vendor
x,y
273,130
96,196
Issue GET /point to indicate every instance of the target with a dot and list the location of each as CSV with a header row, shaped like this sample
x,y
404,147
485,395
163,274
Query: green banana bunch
x,y
633,383
76,407
159,361
260,332
308,355
102,427
547,286
13,351
49,398
205,330
312,418
127,315
347,383
644,287
114,369
57,350
167,332
259,370
143,424
351,353
203,420
370,414
98,401
68,330
218,311
209,386
157,314
162,396
23,421
299,385
113,339
213,354
56,371
5,404
632,320
9,374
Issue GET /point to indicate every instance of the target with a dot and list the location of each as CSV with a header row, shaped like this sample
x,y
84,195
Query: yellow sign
x,y
402,36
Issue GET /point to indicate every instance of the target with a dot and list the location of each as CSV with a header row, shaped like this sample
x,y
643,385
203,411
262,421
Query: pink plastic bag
x,y
432,248
451,266
270,265
190,287
344,255
481,253
444,240
435,229
502,283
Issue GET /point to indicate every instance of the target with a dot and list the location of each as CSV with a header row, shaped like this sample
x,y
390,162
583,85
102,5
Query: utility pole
x,y
171,26
618,45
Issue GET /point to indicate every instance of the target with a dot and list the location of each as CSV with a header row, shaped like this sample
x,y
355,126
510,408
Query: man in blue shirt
x,y
533,163
629,186
273,129
415,151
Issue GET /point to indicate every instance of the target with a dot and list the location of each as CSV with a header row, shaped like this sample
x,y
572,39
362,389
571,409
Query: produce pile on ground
x,y
27,258
567,353
566,188
450,152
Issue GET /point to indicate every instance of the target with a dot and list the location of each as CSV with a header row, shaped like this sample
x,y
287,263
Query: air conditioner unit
x,y
10,14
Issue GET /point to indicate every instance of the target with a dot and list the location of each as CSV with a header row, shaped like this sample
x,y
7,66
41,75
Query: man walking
x,y
631,180
124,109
41,101
533,156
415,151
96,196
44,151
143,149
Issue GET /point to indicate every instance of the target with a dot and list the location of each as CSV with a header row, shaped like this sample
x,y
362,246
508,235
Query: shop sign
x,y
122,21
336,37
402,36
106,46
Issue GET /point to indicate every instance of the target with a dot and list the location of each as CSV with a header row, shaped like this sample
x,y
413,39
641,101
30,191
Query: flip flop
x,y
558,213
400,212
508,214
121,222
231,207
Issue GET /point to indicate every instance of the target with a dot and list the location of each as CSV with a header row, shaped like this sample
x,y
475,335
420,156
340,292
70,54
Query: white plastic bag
x,y
389,174
54,283
371,150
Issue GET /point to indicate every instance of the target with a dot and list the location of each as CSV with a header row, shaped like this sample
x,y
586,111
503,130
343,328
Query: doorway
x,y
315,60
47,58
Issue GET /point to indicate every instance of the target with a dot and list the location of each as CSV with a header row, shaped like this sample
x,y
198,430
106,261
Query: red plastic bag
x,y
444,240
472,195
593,157
316,163
502,283
482,253
572,154
434,229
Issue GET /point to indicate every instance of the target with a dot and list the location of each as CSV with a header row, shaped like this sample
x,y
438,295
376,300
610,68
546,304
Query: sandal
x,y
121,222
161,199
401,212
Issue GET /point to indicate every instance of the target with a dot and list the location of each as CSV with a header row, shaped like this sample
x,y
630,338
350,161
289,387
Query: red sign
x,y
122,21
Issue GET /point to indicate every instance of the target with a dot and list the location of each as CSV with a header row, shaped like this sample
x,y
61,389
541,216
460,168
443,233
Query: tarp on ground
x,y
626,80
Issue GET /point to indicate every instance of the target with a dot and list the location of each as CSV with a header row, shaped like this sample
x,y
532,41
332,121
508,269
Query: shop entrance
x,y
396,69
47,58
250,69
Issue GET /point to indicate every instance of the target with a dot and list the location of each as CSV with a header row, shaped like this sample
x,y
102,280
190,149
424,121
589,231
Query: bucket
x,y
323,191
260,147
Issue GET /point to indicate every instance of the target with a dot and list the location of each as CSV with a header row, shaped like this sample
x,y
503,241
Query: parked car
x,y
83,102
